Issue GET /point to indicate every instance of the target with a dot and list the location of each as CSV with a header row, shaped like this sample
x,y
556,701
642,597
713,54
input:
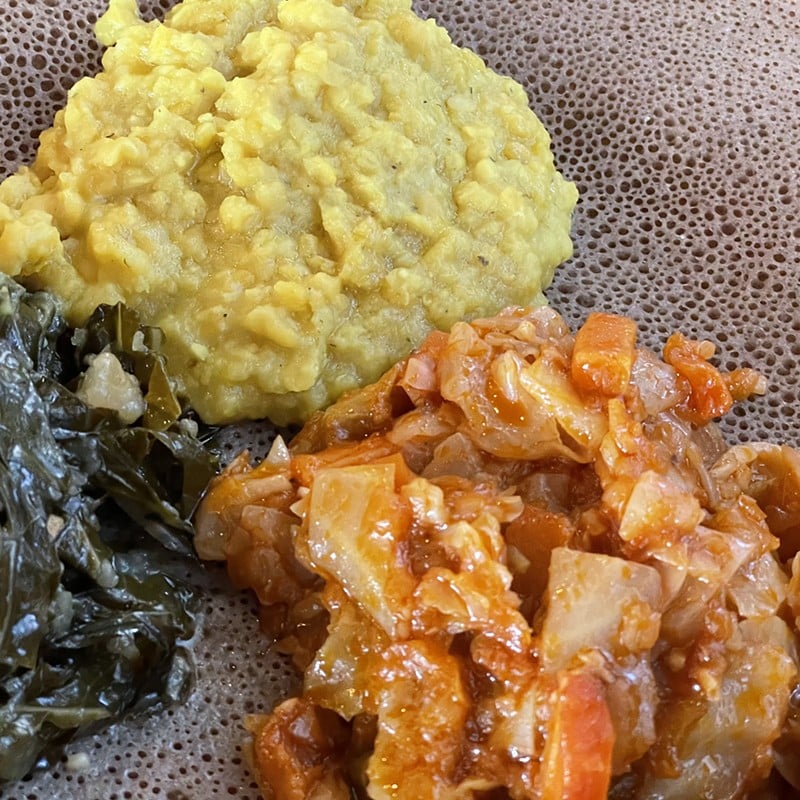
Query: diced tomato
x,y
710,396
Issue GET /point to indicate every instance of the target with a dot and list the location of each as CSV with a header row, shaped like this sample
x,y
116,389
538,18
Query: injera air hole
x,y
680,123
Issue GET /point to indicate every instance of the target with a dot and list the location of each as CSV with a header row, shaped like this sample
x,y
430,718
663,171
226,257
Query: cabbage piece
x,y
339,675
612,638
627,621
713,747
659,510
500,414
770,473
357,542
550,385
420,689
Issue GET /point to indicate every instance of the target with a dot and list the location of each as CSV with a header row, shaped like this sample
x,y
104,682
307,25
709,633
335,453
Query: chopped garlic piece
x,y
106,385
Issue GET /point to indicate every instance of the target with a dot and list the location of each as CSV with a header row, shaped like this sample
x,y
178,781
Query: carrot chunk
x,y
577,758
603,355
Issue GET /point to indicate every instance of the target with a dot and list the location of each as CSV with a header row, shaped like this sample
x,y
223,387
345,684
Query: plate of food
x,y
399,401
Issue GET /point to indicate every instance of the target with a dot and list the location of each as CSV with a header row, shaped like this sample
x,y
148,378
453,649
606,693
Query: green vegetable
x,y
117,328
92,625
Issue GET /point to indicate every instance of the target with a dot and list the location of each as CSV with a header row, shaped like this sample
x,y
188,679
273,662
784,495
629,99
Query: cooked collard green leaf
x,y
117,329
92,625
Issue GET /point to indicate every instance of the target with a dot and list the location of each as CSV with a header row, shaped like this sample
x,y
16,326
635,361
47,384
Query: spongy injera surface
x,y
680,123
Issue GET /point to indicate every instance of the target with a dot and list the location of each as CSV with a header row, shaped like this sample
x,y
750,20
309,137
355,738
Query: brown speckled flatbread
x,y
680,123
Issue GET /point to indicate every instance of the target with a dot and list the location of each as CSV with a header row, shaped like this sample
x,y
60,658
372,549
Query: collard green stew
x,y
92,623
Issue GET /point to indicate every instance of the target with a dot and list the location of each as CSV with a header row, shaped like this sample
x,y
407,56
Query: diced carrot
x,y
576,764
604,353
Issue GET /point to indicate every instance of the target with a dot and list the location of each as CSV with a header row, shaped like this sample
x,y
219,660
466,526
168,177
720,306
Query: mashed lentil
x,y
296,191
